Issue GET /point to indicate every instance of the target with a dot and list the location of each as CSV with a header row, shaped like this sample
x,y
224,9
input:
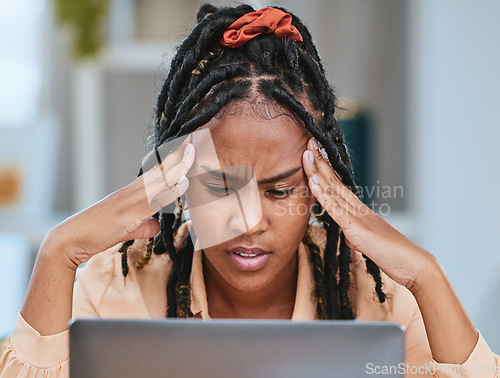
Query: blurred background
x,y
419,79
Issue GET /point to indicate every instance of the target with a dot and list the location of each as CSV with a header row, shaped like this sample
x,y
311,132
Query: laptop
x,y
219,348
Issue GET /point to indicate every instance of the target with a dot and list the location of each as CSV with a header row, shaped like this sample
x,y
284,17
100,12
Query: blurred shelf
x,y
136,57
90,99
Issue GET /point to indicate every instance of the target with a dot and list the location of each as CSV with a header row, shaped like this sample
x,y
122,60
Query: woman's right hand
x,y
125,214
121,216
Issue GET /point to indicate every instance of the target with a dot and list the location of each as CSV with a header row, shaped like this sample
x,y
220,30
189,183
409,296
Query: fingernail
x,y
310,156
315,144
323,153
315,180
182,180
187,148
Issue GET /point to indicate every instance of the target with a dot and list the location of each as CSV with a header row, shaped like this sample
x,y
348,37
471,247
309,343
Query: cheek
x,y
291,214
296,206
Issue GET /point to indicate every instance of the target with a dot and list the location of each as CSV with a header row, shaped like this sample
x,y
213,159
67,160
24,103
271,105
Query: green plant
x,y
86,19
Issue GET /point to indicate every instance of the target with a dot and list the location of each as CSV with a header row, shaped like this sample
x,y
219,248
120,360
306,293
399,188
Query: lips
x,y
248,259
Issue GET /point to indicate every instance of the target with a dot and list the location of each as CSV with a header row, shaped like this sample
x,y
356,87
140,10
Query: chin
x,y
249,285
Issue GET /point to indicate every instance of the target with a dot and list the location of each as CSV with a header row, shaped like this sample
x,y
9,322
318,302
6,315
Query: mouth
x,y
248,259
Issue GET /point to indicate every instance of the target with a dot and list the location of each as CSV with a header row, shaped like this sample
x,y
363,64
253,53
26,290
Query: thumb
x,y
349,244
148,229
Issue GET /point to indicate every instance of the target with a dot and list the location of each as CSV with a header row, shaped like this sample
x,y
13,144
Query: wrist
x,y
429,278
58,251
48,301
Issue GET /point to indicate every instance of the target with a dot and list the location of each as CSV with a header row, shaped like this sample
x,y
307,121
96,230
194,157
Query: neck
x,y
275,301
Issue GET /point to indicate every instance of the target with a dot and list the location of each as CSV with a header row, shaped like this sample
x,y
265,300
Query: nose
x,y
250,217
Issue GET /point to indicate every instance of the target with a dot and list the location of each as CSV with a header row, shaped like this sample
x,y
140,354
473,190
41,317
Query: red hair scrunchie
x,y
266,20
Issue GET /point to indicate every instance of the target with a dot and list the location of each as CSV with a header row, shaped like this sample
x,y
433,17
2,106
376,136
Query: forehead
x,y
268,140
257,130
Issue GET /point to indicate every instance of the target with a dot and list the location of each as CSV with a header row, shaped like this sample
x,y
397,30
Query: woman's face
x,y
248,196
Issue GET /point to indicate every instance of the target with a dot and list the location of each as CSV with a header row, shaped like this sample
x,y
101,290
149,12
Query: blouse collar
x,y
304,308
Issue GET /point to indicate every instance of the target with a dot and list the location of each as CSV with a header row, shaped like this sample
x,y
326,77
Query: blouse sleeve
x,y
28,354
482,362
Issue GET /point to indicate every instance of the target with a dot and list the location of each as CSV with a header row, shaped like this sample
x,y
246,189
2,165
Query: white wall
x,y
454,96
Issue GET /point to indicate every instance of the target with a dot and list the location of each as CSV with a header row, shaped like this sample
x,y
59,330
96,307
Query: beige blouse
x,y
101,291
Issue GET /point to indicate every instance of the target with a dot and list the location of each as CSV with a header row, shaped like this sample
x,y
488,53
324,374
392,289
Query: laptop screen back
x,y
233,348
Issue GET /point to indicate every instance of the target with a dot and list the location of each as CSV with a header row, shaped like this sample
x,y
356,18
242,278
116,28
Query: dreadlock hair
x,y
204,78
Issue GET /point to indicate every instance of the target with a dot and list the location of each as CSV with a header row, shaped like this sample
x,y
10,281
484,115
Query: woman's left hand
x,y
364,230
450,332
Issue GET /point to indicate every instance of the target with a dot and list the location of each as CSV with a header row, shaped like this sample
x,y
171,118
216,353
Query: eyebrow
x,y
227,177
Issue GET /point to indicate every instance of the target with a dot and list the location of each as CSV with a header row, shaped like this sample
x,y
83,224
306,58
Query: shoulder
x,y
109,262
102,290
400,306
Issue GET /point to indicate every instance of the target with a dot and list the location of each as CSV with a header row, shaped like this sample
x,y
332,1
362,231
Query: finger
x,y
341,204
156,189
314,166
151,204
148,229
157,180
161,160
350,245
160,172
338,212
332,207
178,155
165,156
318,150
174,174
331,198
325,176
323,168
167,196
181,234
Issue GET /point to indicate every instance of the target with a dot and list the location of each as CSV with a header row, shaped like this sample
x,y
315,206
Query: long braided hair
x,y
204,77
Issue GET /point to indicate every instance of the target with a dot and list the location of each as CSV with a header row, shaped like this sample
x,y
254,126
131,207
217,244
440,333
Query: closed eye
x,y
220,190
280,194
274,193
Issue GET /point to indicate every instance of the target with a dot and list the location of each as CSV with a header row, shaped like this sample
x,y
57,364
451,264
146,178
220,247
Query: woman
x,y
248,97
